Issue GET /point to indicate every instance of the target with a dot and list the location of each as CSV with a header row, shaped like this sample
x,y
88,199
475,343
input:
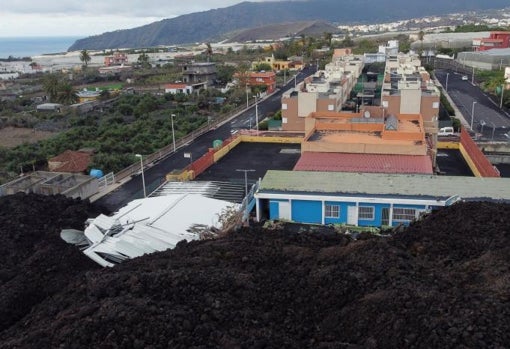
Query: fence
x,y
169,149
476,160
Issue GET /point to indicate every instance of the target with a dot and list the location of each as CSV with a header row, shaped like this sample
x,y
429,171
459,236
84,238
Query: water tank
x,y
96,173
217,143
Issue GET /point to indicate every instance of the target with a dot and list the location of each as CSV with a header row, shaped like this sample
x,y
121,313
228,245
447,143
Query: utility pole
x,y
245,179
473,76
257,113
502,92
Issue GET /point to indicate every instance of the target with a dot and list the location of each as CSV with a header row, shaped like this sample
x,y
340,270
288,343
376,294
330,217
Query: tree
x,y
51,86
85,57
263,66
66,94
328,37
143,60
208,51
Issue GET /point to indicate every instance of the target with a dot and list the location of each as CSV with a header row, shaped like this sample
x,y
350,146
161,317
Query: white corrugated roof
x,y
150,225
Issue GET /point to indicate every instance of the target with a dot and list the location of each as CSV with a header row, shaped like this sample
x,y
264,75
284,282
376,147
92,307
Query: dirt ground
x,y
11,137
442,283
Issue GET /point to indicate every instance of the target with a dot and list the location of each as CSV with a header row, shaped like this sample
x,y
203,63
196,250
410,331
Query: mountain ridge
x,y
212,24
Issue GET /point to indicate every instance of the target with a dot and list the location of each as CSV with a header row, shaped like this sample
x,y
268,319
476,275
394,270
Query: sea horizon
x,y
29,46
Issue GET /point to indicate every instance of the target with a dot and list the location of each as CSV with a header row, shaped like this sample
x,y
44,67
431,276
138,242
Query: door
x,y
385,216
284,208
352,215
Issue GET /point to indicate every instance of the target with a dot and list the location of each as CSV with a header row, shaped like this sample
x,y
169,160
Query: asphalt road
x,y
489,122
154,174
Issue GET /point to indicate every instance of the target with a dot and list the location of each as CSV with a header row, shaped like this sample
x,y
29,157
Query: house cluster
x,y
372,167
327,90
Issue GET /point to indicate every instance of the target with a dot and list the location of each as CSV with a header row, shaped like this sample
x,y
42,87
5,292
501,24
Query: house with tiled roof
x,y
70,161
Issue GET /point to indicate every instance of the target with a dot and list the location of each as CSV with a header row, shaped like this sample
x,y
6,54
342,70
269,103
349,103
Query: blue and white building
x,y
366,199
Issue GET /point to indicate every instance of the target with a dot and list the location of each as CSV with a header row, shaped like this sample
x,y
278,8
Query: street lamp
x,y
247,99
256,113
493,130
483,123
472,114
143,176
245,179
447,81
173,131
502,92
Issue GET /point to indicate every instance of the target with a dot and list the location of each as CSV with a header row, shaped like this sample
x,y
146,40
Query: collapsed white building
x,y
149,225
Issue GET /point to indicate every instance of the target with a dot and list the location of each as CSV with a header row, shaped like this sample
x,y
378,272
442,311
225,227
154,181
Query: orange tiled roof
x,y
71,161
364,163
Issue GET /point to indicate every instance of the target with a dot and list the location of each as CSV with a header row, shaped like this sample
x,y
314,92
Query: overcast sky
x,y
90,17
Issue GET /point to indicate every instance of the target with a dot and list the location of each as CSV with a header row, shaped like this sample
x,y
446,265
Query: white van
x,y
446,131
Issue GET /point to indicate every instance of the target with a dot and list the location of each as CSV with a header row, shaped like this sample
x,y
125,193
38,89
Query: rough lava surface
x,y
441,283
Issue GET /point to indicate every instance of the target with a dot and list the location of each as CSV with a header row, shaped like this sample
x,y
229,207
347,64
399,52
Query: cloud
x,y
92,17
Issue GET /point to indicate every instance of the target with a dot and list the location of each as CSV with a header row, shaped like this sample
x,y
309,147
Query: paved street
x,y
488,121
155,173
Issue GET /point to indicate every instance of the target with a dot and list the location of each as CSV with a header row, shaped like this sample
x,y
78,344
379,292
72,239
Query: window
x,y
284,120
331,107
284,106
404,214
366,212
435,105
332,211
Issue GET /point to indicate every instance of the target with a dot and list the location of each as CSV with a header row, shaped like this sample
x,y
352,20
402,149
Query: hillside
x,y
277,31
444,282
213,24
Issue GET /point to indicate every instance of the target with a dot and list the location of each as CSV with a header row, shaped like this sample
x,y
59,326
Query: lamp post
x,y
473,76
173,131
472,114
143,175
247,99
482,122
257,113
447,81
502,92
493,130
245,179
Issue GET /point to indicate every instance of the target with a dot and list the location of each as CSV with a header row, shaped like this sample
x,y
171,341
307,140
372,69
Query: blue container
x,y
96,173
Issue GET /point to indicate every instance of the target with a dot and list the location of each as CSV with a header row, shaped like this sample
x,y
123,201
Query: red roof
x,y
372,163
70,161
262,74
170,86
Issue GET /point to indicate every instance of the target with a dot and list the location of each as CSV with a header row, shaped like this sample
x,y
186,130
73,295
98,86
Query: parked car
x,y
464,77
446,131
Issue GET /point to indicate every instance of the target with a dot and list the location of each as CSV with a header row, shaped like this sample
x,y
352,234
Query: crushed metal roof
x,y
150,225
408,185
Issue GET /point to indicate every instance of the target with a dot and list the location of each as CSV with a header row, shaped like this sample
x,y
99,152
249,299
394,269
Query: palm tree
x,y
67,94
421,34
328,37
85,57
51,86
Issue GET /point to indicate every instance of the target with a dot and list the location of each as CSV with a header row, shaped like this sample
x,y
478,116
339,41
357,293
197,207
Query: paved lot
x,y
451,163
259,157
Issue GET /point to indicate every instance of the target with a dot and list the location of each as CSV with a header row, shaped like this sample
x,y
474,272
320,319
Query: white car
x,y
464,77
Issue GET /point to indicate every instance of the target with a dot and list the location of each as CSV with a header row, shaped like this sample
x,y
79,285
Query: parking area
x,y
252,159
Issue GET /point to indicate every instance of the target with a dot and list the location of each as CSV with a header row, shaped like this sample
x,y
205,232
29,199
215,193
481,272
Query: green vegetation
x,y
469,28
446,104
136,124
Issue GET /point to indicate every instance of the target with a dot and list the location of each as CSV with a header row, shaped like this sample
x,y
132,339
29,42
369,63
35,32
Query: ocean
x,y
34,46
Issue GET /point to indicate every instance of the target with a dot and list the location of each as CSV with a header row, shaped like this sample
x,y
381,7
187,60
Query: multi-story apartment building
x,y
496,39
408,89
118,58
199,75
267,79
327,90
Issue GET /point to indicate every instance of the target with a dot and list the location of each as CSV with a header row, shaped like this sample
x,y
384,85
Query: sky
x,y
91,17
